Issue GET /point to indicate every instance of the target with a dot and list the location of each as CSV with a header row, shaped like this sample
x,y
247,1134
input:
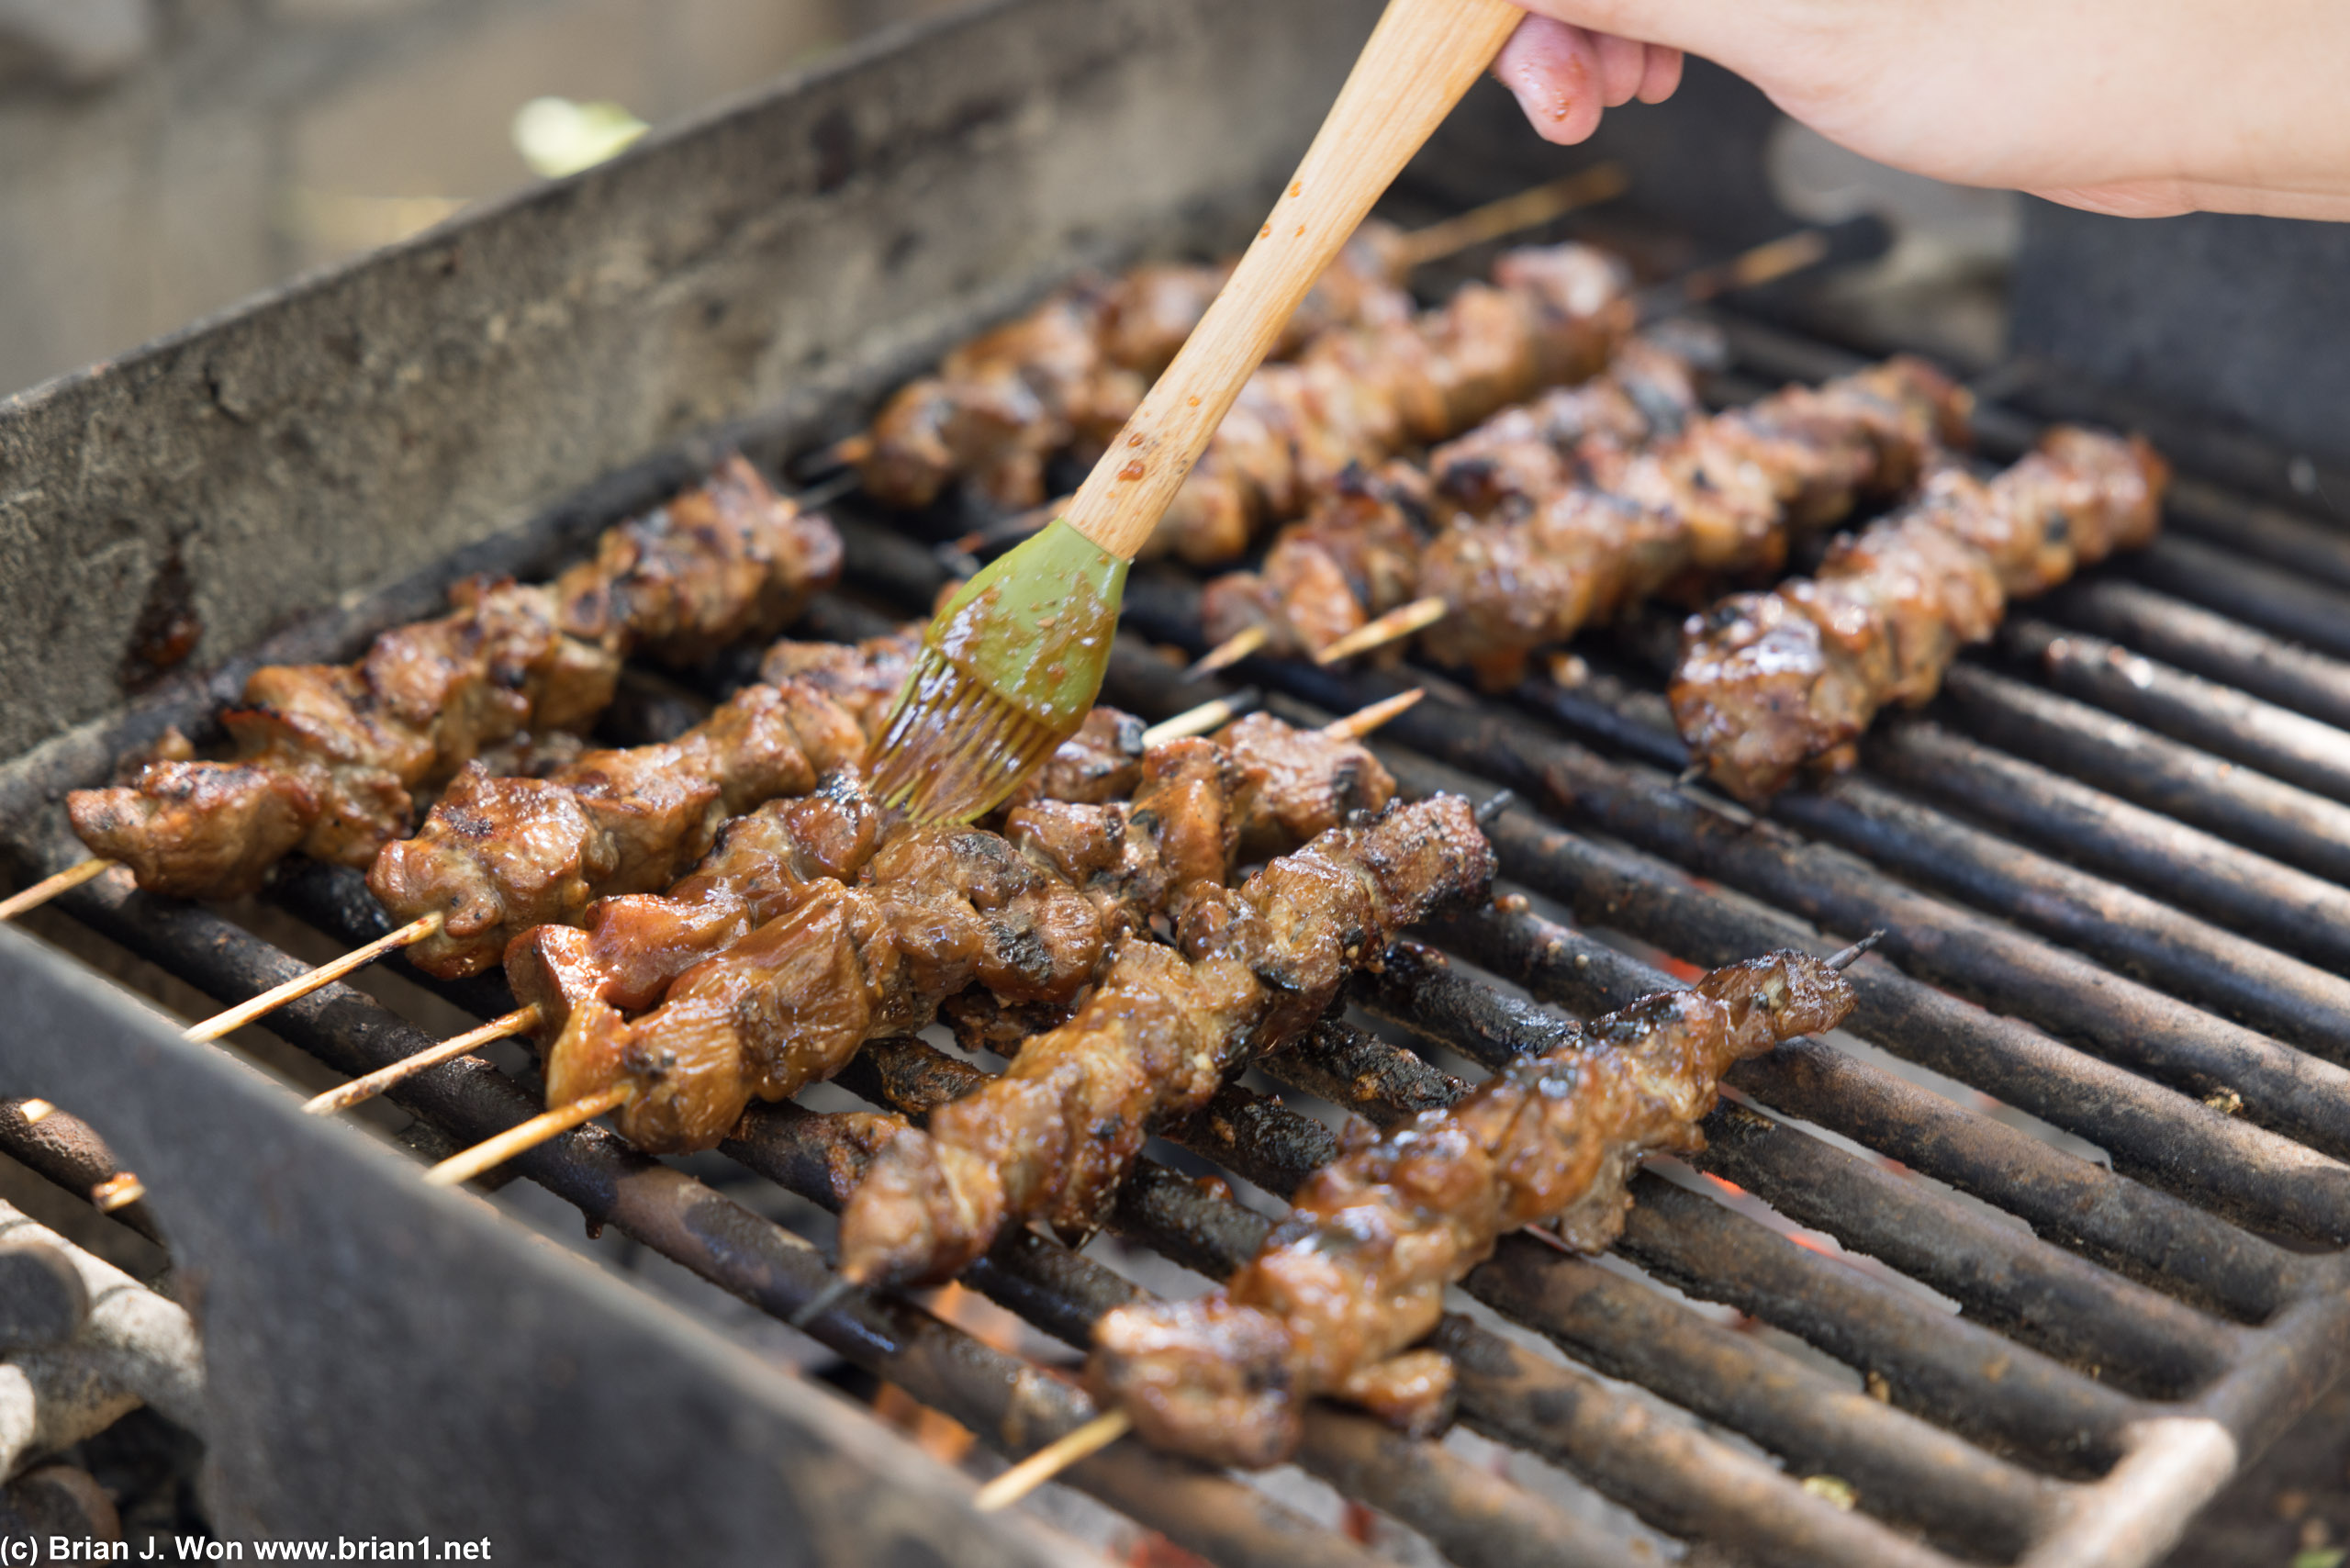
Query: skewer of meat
x,y
1552,315
1252,968
329,759
1345,1287
1355,556
499,855
1067,374
1566,512
812,930
762,858
1768,684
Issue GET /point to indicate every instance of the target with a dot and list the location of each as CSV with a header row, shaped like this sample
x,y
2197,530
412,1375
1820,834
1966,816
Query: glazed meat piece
x,y
499,855
1355,556
1102,762
937,909
347,748
1054,1137
726,561
1297,784
1770,684
1534,450
1356,1274
863,677
628,947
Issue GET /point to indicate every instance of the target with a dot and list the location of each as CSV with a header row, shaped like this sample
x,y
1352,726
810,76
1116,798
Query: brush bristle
x,y
952,749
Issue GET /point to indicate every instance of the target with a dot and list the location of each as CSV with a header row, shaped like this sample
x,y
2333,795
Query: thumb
x,y
1554,71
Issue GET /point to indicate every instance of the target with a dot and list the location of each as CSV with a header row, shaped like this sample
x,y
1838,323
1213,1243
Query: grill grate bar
x,y
1216,1236
2286,603
1900,1466
1473,1517
1954,1372
1676,1476
2210,645
2280,743
2279,1182
2084,1314
2141,936
2141,1230
2283,997
2288,909
2312,550
2131,762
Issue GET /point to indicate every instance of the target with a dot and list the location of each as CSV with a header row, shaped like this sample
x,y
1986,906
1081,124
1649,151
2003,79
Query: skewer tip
x,y
826,491
492,1152
1496,804
360,1089
1051,1459
302,985
823,1302
1688,776
47,888
1851,954
1199,720
1392,627
1229,652
1363,721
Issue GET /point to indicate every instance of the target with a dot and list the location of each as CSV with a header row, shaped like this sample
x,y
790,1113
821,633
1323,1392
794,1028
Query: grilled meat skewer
x,y
497,855
1253,968
808,931
1586,503
1357,554
1356,1274
1069,372
1552,315
329,757
1768,684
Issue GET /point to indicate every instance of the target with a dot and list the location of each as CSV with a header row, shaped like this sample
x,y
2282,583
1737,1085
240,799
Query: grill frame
x,y
987,99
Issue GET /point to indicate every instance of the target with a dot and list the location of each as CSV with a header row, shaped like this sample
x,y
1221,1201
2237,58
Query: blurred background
x,y
160,159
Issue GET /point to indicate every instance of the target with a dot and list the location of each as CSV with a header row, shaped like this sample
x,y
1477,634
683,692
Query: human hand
x,y
2126,107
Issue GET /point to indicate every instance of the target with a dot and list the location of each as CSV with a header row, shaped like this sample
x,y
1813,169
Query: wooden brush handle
x,y
1421,57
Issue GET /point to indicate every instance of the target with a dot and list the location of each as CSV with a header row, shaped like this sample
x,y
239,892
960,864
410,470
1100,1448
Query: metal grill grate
x,y
2119,970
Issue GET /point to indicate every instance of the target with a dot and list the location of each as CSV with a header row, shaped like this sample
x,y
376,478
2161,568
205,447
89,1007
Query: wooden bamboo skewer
x,y
47,888
492,1152
1051,1459
519,1022
1231,651
1392,627
1528,208
301,985
1362,721
118,1191
1207,716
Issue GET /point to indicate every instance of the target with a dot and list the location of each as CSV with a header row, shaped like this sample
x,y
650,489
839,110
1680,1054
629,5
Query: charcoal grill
x,y
2109,864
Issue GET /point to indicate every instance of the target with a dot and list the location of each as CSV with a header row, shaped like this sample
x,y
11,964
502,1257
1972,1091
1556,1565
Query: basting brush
x,y
1013,663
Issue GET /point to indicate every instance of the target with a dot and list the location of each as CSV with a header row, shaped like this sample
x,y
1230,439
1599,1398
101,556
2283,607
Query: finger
x,y
1661,75
1553,69
1623,66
